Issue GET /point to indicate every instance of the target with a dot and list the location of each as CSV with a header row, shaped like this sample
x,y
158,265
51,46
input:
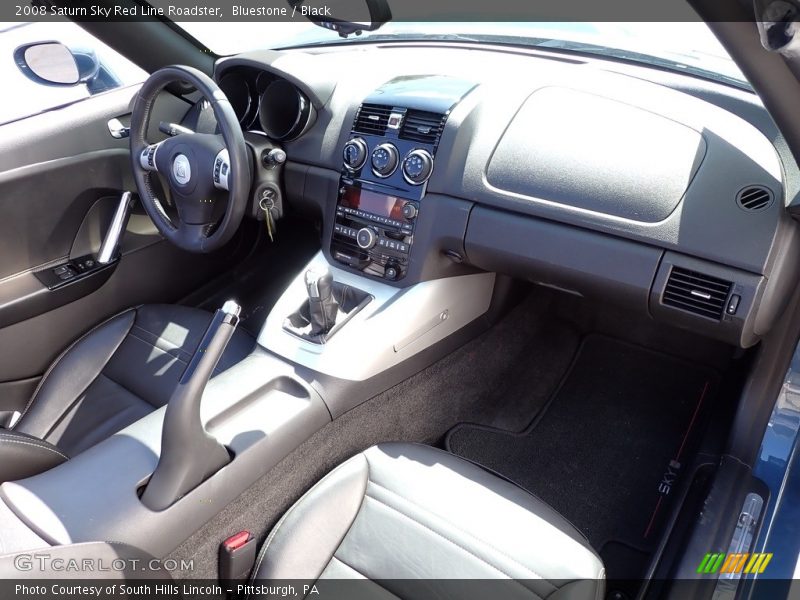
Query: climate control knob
x,y
417,166
355,154
384,160
366,238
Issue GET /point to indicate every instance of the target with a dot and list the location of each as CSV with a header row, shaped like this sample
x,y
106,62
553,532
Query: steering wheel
x,y
198,167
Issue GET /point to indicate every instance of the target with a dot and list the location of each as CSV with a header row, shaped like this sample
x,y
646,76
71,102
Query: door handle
x,y
110,246
118,130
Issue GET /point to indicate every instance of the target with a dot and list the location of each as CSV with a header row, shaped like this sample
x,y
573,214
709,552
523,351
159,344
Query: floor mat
x,y
609,446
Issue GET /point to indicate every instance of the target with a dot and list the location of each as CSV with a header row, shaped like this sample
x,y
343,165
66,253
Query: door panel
x,y
44,205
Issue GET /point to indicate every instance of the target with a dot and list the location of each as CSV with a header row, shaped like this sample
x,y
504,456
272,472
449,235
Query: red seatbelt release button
x,y
236,541
237,555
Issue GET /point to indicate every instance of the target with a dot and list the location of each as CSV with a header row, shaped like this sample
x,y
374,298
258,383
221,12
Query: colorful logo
x,y
734,563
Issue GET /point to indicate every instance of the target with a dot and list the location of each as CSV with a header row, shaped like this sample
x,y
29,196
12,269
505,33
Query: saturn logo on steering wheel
x,y
181,169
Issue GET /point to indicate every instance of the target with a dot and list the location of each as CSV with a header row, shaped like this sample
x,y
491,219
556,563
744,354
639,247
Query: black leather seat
x,y
114,375
425,523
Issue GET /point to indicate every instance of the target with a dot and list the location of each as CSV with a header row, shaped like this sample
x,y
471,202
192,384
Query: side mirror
x,y
52,63
351,16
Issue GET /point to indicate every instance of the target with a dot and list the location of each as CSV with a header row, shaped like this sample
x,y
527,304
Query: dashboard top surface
x,y
558,137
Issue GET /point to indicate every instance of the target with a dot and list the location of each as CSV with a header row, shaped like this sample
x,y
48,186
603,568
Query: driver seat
x,y
118,372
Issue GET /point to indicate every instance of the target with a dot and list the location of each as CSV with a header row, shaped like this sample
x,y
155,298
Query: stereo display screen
x,y
382,205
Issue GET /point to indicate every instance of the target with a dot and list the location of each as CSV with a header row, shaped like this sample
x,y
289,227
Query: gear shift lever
x,y
322,306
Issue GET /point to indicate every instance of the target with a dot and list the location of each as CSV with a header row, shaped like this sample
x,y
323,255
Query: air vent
x,y
372,119
754,198
422,126
696,293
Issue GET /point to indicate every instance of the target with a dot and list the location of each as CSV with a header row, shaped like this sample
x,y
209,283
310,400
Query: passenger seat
x,y
422,521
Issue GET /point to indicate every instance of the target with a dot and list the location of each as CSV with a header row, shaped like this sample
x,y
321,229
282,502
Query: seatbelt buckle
x,y
237,555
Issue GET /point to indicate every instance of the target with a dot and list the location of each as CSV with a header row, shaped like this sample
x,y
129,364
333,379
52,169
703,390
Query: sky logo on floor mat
x,y
734,563
669,478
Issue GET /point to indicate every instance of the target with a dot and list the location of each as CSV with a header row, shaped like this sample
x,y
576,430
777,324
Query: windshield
x,y
688,47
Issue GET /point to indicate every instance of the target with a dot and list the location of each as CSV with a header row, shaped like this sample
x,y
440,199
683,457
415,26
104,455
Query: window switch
x,y
85,265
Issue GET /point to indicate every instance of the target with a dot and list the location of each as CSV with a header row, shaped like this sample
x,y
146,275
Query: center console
x,y
387,162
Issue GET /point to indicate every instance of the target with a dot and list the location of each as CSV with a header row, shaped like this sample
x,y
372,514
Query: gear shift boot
x,y
329,306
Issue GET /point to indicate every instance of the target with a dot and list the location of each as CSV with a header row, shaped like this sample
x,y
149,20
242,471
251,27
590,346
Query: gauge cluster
x,y
266,103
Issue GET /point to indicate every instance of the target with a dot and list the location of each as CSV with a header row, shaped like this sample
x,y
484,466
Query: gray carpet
x,y
501,378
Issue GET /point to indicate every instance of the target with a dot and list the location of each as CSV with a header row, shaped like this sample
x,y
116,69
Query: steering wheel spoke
x,y
193,233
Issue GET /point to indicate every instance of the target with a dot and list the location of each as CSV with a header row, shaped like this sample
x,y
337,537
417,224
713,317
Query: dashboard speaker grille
x,y
696,293
754,198
423,126
372,119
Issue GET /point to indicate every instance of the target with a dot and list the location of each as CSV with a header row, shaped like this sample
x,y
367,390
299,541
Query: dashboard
x,y
428,161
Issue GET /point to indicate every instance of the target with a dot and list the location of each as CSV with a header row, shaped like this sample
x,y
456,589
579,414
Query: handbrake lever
x,y
189,455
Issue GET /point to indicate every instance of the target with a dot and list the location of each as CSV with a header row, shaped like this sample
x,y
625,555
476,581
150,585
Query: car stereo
x,y
373,230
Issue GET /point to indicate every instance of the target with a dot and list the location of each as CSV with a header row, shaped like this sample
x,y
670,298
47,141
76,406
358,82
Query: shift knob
x,y
322,306
319,284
